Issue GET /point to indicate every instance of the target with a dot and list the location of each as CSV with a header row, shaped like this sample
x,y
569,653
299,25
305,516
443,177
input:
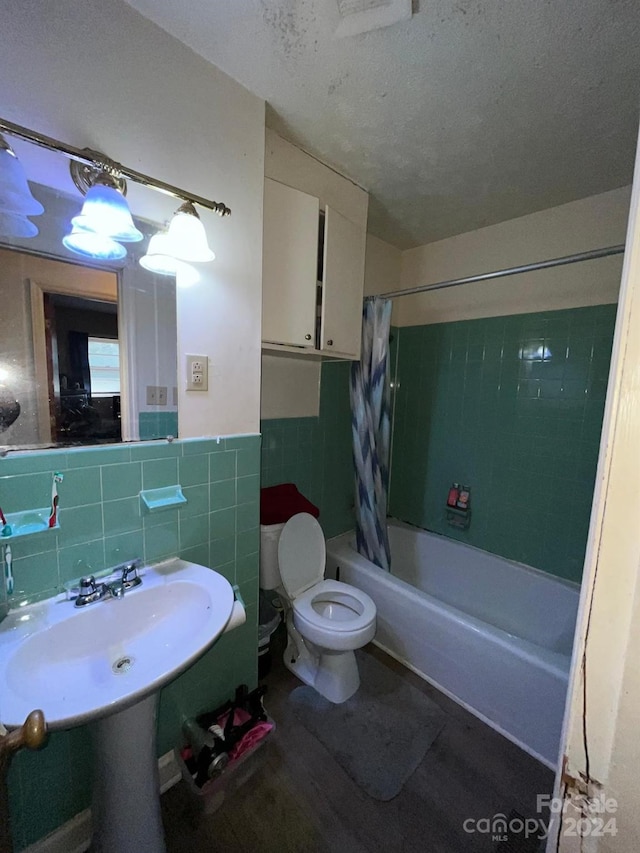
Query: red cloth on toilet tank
x,y
280,503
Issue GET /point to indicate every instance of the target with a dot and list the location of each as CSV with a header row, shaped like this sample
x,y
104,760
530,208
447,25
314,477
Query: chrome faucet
x,y
130,577
120,579
90,592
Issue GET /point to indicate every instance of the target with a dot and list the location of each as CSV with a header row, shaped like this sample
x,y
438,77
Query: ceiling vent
x,y
363,16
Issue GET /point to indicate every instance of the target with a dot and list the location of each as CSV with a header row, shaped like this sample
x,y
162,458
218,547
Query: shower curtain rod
x,y
486,276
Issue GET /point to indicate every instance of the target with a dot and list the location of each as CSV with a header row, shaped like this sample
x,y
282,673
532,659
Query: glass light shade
x,y
160,262
15,194
88,244
186,237
13,225
157,258
105,212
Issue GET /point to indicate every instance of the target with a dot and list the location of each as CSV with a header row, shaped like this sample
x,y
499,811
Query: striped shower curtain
x,y
370,421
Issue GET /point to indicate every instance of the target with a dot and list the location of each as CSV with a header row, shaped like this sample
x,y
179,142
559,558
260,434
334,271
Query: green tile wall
x,y
101,524
315,453
524,432
513,407
157,425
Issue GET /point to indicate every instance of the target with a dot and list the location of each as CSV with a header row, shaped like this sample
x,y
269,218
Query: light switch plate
x,y
156,395
197,373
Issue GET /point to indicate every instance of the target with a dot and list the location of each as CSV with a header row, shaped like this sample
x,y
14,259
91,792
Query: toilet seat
x,y
347,608
302,554
325,604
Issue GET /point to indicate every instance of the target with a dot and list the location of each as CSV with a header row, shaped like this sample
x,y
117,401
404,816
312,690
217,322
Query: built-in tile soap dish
x,y
26,523
157,500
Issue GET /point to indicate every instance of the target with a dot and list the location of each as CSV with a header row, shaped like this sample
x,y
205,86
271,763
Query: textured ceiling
x,y
470,113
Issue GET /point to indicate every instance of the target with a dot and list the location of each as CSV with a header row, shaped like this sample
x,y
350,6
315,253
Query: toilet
x,y
326,620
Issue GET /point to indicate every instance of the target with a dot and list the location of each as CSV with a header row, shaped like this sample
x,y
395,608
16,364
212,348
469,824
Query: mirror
x,y
88,349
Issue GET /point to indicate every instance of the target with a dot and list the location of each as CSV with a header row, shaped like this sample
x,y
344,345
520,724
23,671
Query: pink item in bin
x,y
251,739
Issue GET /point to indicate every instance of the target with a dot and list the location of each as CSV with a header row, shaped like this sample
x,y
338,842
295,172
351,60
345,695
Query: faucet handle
x,y
87,585
130,574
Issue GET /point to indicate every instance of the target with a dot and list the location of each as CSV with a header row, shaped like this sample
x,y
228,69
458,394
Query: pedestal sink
x,y
104,664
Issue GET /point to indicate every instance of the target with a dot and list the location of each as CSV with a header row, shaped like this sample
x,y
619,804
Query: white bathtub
x,y
494,635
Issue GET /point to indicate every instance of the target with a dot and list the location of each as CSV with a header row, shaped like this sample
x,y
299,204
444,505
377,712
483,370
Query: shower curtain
x,y
370,421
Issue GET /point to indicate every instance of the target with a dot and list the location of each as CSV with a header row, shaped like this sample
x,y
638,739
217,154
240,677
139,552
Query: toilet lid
x,y
301,554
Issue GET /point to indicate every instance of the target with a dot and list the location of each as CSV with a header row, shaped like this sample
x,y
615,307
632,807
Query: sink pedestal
x,y
126,786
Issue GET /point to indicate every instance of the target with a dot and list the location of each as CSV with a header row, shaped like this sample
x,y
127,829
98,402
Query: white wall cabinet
x,y
290,260
292,320
342,285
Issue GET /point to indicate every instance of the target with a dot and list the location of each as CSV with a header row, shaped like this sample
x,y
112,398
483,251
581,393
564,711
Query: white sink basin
x,y
81,664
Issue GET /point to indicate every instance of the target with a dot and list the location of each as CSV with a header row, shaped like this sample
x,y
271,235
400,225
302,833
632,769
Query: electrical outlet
x,y
152,395
197,373
162,395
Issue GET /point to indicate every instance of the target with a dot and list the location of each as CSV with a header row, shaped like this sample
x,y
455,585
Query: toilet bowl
x,y
326,620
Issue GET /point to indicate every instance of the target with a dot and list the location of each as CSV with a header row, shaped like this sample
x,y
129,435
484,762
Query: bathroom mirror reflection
x,y
88,347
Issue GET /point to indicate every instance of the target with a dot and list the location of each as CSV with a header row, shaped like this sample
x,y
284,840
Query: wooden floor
x,y
302,800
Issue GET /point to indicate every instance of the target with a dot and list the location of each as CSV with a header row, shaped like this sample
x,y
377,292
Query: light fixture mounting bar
x,y
96,159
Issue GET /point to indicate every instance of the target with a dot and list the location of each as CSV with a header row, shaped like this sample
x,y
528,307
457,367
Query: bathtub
x,y
493,635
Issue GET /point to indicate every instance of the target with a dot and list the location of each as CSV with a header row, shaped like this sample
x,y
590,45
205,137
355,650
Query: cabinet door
x,y
343,285
290,265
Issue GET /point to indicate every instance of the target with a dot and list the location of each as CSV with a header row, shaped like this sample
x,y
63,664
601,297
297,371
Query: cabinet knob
x,y
307,337
329,343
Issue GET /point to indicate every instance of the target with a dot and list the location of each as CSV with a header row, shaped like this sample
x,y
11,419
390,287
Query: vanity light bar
x,y
97,160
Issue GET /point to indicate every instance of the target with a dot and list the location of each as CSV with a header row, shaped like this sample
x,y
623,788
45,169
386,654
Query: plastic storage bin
x,y
213,793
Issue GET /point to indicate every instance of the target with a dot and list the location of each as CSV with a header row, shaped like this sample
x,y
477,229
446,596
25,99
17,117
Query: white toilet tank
x,y
269,570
